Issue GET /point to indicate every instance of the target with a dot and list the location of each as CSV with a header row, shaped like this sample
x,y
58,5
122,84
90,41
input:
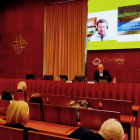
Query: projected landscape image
x,y
129,20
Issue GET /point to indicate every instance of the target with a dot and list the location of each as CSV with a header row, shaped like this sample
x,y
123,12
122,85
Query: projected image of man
x,y
101,33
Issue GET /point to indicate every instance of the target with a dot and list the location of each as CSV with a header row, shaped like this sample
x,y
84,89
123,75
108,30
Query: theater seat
x,y
41,136
9,133
3,106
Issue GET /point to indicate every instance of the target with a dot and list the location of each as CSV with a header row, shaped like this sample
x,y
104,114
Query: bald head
x,y
100,68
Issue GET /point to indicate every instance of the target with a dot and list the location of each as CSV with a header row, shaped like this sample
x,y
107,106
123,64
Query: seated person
x,y
111,129
101,72
7,94
36,98
17,116
22,87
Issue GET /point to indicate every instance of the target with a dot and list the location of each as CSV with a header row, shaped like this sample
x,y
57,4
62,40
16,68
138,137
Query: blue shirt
x,y
98,37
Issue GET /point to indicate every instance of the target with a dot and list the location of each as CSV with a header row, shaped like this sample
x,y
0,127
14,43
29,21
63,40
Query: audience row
x,y
17,116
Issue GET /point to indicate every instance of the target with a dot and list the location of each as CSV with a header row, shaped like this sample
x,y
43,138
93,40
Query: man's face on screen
x,y
102,28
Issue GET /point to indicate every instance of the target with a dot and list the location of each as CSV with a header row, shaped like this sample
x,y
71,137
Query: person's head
x,y
111,129
7,94
36,98
22,86
102,26
100,68
17,113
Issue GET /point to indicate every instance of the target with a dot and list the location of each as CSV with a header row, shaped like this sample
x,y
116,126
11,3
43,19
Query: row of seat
x,y
91,118
52,113
81,89
123,106
119,91
8,133
16,134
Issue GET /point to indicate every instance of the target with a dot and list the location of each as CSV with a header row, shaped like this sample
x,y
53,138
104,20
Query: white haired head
x,y
17,113
22,86
111,129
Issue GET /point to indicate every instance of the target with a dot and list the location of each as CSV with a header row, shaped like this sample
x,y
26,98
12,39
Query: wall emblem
x,y
96,61
19,44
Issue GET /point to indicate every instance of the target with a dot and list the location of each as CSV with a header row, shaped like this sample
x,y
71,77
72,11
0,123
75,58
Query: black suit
x,y
105,73
85,134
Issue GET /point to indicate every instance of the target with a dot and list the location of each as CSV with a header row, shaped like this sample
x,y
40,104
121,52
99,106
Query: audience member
x,y
36,98
7,94
22,87
17,116
111,129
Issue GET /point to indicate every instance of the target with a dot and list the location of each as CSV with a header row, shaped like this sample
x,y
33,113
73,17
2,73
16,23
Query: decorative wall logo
x,y
96,61
114,60
108,61
19,44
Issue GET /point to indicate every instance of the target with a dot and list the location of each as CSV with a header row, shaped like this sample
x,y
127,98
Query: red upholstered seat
x,y
19,96
93,119
3,106
40,136
61,100
122,106
35,111
9,133
59,114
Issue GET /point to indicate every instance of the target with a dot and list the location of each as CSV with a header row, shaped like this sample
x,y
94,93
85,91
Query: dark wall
x,y
122,64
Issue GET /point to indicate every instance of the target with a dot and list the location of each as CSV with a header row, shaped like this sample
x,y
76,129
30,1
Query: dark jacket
x,y
85,134
105,73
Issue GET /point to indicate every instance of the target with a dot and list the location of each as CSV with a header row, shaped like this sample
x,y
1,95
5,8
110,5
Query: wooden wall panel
x,y
24,17
38,43
9,19
28,19
122,64
37,19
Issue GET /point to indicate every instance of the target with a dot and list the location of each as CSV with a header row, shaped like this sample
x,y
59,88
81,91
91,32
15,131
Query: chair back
x,y
3,106
40,136
19,96
122,106
9,133
93,119
60,114
61,100
35,111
